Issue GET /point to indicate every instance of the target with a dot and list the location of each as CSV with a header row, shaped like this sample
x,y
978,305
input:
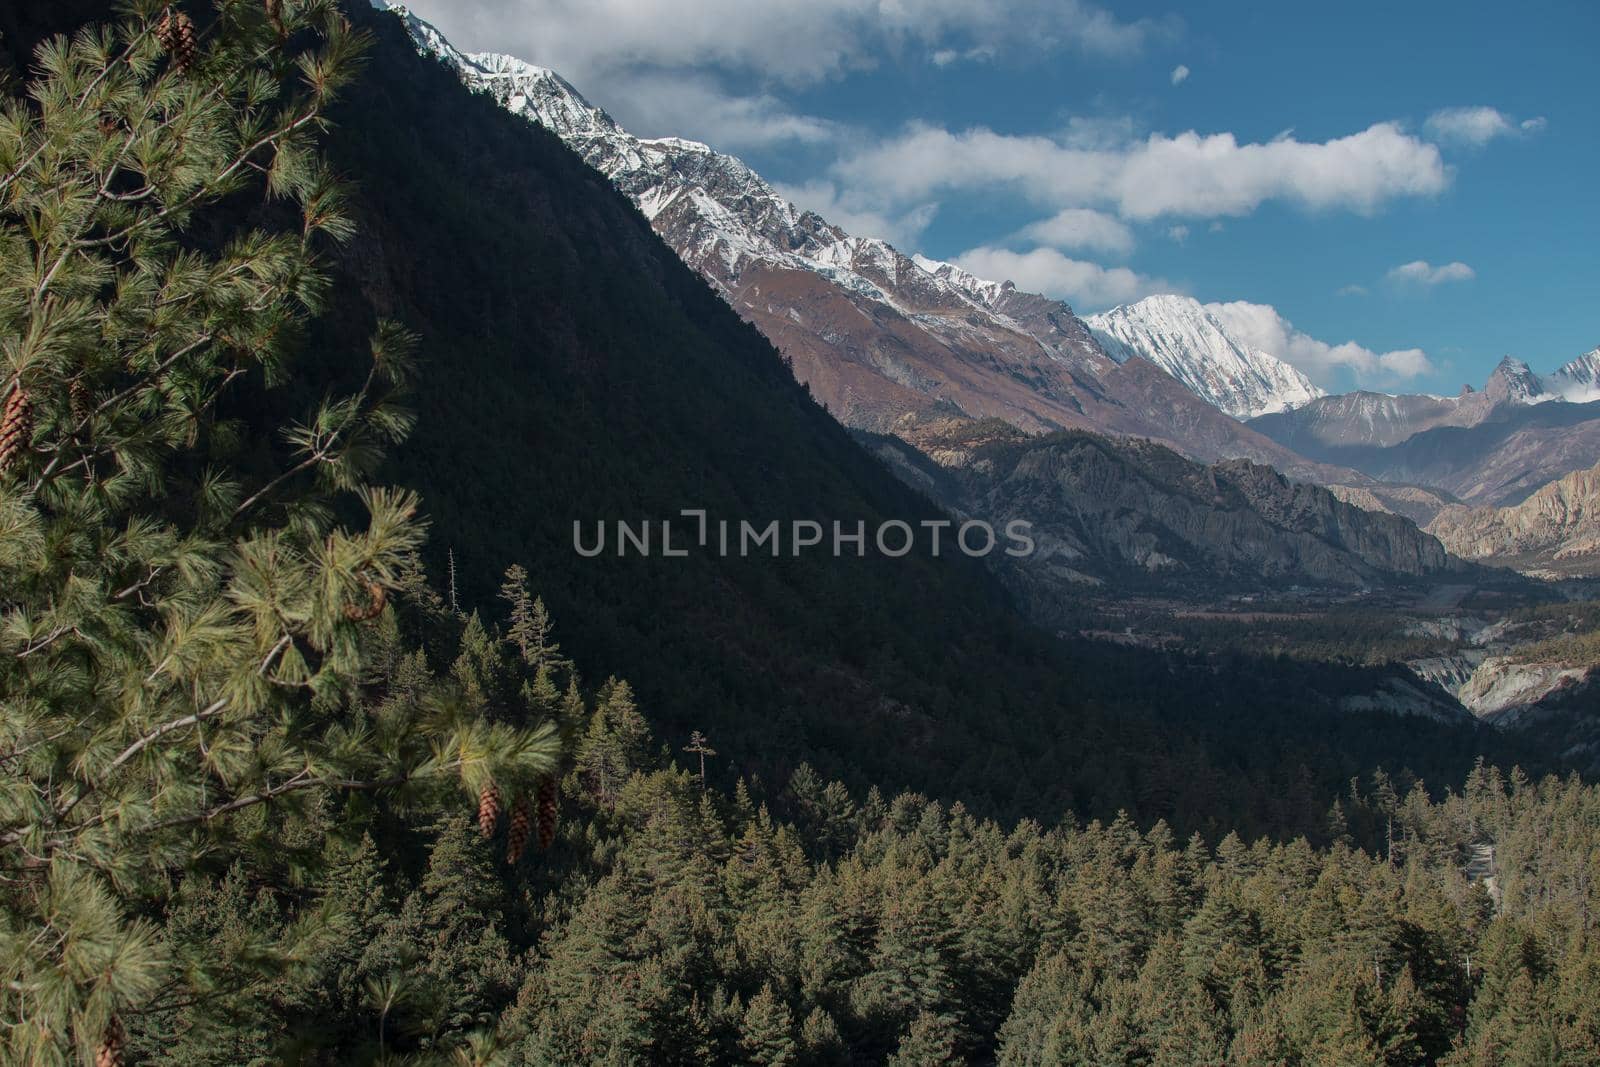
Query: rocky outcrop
x,y
1415,503
1504,690
1398,696
1560,522
1451,673
1134,513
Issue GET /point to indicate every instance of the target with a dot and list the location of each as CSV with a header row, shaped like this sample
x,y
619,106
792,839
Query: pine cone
x,y
377,595
16,427
175,31
520,830
489,804
275,15
109,1054
549,811
78,399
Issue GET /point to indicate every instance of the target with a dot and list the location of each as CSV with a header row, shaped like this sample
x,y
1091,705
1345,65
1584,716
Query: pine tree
x,y
529,625
445,947
931,1041
699,746
767,1036
820,1040
181,631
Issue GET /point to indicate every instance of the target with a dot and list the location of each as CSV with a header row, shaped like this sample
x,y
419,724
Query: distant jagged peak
x,y
1514,381
1579,380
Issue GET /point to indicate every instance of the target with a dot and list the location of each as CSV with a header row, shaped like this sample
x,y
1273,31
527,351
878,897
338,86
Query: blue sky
x,y
1411,186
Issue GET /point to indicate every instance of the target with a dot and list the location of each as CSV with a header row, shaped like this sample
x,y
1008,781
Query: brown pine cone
x,y
549,811
377,596
520,830
16,427
489,804
78,399
109,1054
175,31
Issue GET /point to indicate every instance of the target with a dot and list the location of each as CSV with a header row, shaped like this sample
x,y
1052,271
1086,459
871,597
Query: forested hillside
x,y
802,923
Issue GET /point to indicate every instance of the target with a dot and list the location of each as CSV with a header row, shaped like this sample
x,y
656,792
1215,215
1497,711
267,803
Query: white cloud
x,y
786,42
1088,286
1352,290
1477,126
844,209
1180,74
1186,174
1421,272
1179,234
1079,227
977,54
687,105
1260,326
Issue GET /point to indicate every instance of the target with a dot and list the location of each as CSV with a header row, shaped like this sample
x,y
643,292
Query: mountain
x,y
1134,515
1181,337
572,369
1492,446
1496,460
876,335
220,899
1559,525
1384,419
1355,419
1579,381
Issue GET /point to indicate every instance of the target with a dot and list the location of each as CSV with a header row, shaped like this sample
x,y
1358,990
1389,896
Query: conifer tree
x,y
930,1041
181,630
767,1036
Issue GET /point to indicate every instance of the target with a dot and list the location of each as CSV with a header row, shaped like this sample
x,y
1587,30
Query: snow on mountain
x,y
1513,381
1179,335
725,216
724,219
1579,381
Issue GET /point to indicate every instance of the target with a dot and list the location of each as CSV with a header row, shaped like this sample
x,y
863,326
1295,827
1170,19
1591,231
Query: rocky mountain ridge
x,y
1325,424
875,334
1130,513
1488,447
1559,523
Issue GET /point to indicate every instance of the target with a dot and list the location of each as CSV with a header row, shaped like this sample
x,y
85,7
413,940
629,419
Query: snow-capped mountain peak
x,y
1179,335
720,215
1513,381
1578,381
875,333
